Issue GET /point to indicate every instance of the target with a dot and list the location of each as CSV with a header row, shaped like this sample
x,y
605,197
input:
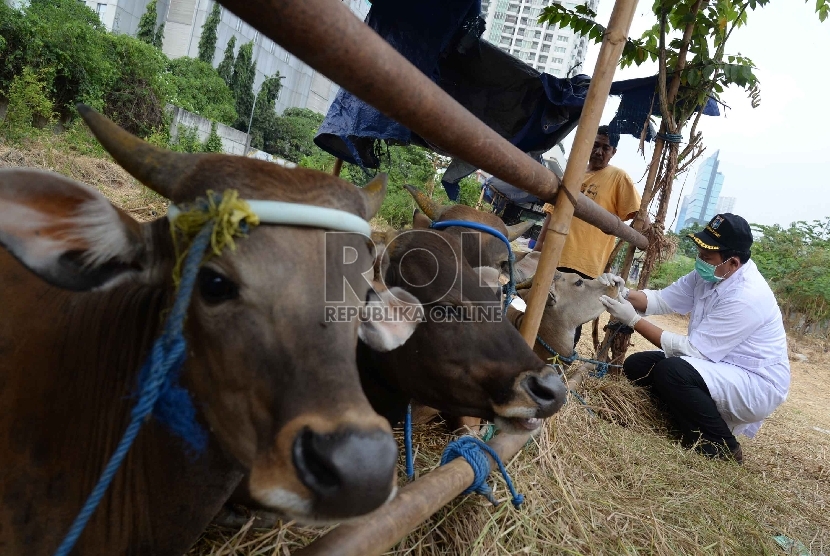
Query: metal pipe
x,y
380,530
327,37
560,222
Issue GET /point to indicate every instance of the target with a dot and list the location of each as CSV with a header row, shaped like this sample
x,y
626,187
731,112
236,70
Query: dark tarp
x,y
532,110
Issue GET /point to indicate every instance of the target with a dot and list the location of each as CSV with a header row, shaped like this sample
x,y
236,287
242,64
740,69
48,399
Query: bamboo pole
x,y
560,222
338,165
382,529
327,36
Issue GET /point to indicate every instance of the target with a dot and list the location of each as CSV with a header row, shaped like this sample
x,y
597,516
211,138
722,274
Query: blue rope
x,y
670,137
156,380
407,443
602,366
475,451
509,288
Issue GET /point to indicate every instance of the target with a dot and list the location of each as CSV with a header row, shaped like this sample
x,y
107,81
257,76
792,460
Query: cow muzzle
x,y
538,395
318,473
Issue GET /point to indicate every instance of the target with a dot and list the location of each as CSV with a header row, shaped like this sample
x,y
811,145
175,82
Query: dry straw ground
x,y
610,484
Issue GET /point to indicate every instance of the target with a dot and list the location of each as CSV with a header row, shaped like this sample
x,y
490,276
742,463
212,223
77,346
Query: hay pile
x,y
616,484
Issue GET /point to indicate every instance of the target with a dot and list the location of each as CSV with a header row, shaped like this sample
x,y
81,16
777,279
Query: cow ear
x,y
65,232
420,221
402,312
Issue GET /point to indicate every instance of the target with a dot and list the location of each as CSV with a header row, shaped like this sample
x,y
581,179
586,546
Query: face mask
x,y
707,271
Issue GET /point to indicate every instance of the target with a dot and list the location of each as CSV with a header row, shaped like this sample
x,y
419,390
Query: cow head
x,y
478,249
463,360
572,301
275,383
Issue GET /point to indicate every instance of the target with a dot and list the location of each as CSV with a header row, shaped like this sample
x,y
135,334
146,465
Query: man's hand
x,y
611,279
621,310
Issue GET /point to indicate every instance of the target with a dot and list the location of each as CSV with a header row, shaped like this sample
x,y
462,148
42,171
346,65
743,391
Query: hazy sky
x,y
775,158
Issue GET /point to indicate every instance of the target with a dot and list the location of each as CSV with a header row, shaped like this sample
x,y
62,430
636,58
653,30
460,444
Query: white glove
x,y
621,309
611,279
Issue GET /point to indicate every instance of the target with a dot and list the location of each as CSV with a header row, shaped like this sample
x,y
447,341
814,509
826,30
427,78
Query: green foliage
x,y
158,38
197,87
207,42
242,84
135,100
668,272
187,141
796,263
225,68
686,245
214,142
62,40
265,120
28,101
147,24
292,136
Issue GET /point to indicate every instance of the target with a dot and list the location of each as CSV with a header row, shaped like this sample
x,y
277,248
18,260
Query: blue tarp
x,y
533,110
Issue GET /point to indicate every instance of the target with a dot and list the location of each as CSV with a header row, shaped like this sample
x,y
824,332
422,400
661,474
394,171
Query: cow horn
x,y
429,207
374,193
516,230
525,284
159,169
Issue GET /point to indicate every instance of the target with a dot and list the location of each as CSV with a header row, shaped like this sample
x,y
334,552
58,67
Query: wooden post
x,y
338,165
380,530
560,222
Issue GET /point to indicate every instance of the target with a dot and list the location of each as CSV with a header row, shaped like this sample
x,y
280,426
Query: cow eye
x,y
215,288
578,282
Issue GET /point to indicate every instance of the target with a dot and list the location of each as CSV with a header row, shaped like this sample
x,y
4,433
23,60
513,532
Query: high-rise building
x,y
512,25
701,205
302,86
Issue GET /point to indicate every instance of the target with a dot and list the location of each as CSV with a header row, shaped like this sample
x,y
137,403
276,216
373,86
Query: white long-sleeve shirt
x,y
736,322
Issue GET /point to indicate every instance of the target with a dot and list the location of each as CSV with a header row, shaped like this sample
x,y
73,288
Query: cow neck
x,y
84,357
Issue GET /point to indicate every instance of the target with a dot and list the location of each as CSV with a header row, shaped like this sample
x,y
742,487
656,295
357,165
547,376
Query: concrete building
x,y
512,25
702,204
183,20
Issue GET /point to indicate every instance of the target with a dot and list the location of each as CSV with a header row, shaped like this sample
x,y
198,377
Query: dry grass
x,y
616,484
103,174
610,484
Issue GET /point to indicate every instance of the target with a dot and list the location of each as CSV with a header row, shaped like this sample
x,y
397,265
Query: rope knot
x,y
231,217
475,452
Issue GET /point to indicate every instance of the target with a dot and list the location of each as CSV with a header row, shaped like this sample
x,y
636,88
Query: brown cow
x,y
83,291
488,250
480,367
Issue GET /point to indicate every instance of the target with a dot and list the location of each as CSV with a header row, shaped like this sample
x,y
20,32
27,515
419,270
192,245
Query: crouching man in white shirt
x,y
732,370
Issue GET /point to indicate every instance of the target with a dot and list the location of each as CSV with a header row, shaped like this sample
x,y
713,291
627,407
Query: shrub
x,y
197,87
214,142
668,272
28,100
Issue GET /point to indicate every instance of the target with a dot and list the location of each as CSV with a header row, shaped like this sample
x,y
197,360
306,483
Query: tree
x,y
147,24
207,42
264,123
214,142
158,38
685,245
225,67
293,135
242,84
198,88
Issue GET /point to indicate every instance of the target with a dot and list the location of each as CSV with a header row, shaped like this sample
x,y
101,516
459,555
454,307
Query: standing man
x,y
732,369
587,247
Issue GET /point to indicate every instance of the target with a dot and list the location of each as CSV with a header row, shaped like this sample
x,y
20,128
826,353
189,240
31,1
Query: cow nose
x,y
350,472
547,390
